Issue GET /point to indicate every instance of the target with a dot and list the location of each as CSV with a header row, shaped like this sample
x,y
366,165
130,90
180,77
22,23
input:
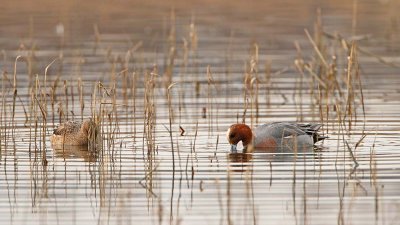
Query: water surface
x,y
115,61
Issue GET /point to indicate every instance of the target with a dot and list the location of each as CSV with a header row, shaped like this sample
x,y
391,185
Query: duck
x,y
274,135
72,133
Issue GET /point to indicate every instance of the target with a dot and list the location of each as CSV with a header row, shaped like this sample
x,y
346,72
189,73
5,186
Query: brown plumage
x,y
71,133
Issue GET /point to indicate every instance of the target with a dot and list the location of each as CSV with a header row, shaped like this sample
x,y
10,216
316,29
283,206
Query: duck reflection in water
x,y
74,152
272,154
242,161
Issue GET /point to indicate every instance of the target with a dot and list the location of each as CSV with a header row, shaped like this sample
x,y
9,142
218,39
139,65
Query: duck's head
x,y
86,125
239,132
89,128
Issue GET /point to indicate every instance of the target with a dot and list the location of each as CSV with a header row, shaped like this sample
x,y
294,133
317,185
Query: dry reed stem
x,y
211,100
268,83
97,38
228,197
2,114
133,96
299,66
170,118
66,97
316,49
150,123
14,96
81,94
254,82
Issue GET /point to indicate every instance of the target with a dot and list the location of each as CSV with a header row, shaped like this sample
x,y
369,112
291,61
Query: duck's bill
x,y
233,148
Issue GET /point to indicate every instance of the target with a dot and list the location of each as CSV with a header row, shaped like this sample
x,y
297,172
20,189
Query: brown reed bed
x,y
335,85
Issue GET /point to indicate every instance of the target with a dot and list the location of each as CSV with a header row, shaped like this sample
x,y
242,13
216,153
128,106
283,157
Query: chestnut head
x,y
239,132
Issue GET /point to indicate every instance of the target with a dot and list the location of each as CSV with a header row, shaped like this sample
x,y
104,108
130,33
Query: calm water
x,y
116,61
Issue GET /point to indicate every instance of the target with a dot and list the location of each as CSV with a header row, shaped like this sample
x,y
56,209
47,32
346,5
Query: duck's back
x,y
283,134
69,127
69,133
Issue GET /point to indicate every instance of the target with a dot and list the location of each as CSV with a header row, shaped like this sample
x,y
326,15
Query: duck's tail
x,y
314,128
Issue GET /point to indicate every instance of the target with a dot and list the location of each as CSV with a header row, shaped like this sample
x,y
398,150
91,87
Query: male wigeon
x,y
274,135
71,133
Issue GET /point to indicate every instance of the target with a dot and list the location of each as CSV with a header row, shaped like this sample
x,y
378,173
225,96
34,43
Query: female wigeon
x,y
274,135
72,133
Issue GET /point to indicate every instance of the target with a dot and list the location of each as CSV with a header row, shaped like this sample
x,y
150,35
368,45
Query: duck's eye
x,y
232,135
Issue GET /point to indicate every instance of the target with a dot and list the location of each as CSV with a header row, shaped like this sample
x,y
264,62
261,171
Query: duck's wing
x,y
286,129
278,130
67,128
310,129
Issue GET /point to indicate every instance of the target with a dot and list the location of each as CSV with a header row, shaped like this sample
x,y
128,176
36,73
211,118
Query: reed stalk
x,y
170,119
15,93
150,125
